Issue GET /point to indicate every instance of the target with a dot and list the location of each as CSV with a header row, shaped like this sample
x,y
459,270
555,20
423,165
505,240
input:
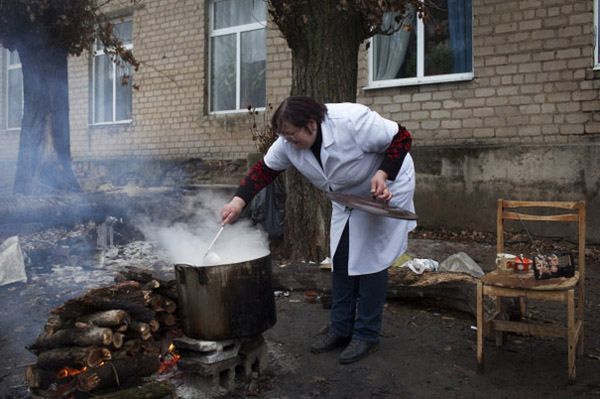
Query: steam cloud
x,y
186,239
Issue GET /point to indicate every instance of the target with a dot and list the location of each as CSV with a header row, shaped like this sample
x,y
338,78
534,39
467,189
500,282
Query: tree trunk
x,y
44,161
324,40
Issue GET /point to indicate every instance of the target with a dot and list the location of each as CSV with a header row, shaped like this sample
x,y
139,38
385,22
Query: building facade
x,y
501,96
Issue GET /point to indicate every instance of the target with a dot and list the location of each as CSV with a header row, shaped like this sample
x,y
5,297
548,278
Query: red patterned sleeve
x,y
258,177
396,152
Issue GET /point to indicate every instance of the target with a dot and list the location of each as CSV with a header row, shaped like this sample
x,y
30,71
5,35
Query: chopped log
x,y
166,288
107,318
38,378
72,356
84,337
154,325
126,296
161,304
140,275
82,326
114,373
448,289
151,285
55,322
117,341
166,319
151,390
131,347
140,328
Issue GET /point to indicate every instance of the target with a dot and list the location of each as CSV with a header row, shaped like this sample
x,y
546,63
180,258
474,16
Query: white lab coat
x,y
354,142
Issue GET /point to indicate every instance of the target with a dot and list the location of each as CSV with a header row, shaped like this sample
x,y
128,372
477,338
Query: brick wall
x,y
533,81
526,126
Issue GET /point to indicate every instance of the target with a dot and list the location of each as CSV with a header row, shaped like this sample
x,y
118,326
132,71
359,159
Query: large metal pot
x,y
226,301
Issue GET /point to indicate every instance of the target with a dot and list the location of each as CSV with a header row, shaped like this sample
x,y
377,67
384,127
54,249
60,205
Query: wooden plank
x,y
480,327
564,217
530,329
541,204
571,336
527,281
557,296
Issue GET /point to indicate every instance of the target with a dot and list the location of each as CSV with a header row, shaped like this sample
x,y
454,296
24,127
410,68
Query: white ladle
x,y
211,256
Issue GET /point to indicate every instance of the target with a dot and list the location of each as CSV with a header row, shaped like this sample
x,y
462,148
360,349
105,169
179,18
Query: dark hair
x,y
298,110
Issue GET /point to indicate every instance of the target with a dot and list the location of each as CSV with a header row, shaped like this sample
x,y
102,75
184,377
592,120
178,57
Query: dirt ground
x,y
426,350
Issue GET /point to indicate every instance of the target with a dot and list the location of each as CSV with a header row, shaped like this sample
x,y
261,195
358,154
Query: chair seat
x,y
527,281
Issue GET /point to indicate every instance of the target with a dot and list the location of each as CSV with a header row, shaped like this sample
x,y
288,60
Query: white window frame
x,y
12,67
237,30
420,79
98,53
595,62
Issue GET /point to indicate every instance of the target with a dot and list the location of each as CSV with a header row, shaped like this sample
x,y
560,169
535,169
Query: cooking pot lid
x,y
371,206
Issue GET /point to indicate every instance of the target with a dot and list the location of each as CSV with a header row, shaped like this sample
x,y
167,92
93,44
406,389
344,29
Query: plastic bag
x,y
461,263
12,263
421,265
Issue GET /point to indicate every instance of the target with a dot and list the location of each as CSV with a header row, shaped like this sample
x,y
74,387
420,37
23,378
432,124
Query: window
x,y
596,34
438,50
112,80
237,54
14,91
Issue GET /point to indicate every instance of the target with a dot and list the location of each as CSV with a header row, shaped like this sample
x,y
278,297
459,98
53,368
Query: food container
x,y
505,262
226,301
522,264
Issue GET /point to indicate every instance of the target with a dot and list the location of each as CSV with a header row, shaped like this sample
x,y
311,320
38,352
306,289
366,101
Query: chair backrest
x,y
562,211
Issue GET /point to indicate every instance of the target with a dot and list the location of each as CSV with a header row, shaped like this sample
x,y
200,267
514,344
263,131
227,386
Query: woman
x,y
350,149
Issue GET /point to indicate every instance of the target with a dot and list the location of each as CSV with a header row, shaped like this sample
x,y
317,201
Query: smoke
x,y
186,239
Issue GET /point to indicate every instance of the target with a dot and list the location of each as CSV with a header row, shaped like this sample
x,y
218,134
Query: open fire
x,y
107,337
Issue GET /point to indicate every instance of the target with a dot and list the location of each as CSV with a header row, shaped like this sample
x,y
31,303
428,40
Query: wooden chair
x,y
524,286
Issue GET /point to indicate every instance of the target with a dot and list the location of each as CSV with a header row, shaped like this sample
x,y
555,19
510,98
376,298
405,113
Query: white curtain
x,y
390,51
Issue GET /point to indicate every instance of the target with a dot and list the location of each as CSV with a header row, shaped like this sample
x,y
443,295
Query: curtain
x,y
390,51
461,37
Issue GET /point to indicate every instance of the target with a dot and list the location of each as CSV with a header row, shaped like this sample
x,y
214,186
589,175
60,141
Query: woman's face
x,y
301,137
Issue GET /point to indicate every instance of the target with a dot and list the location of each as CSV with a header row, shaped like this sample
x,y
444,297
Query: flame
x,y
169,359
69,372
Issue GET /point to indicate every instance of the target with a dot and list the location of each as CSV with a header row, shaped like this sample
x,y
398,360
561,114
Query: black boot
x,y
328,341
356,350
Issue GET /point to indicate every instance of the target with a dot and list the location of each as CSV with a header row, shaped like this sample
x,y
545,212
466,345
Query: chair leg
x,y
522,307
499,334
571,335
480,322
580,316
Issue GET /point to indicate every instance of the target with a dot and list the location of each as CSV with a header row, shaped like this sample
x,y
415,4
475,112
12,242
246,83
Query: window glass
x,y
254,56
14,91
228,13
103,89
123,91
448,39
113,82
421,52
223,72
238,55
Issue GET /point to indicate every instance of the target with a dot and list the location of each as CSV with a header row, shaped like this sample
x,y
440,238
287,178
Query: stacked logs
x,y
106,336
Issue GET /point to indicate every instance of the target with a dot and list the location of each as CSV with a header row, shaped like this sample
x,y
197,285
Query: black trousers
x,y
357,301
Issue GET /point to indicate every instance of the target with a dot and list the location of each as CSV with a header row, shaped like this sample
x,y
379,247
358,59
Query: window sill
x,y
111,124
384,84
234,112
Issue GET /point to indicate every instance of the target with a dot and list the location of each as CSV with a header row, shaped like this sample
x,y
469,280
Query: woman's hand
x,y
379,189
232,210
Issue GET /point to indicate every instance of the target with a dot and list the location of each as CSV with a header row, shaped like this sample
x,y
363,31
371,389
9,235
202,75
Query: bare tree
x,y
325,37
45,33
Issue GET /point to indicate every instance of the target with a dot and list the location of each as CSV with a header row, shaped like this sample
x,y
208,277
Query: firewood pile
x,y
106,337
